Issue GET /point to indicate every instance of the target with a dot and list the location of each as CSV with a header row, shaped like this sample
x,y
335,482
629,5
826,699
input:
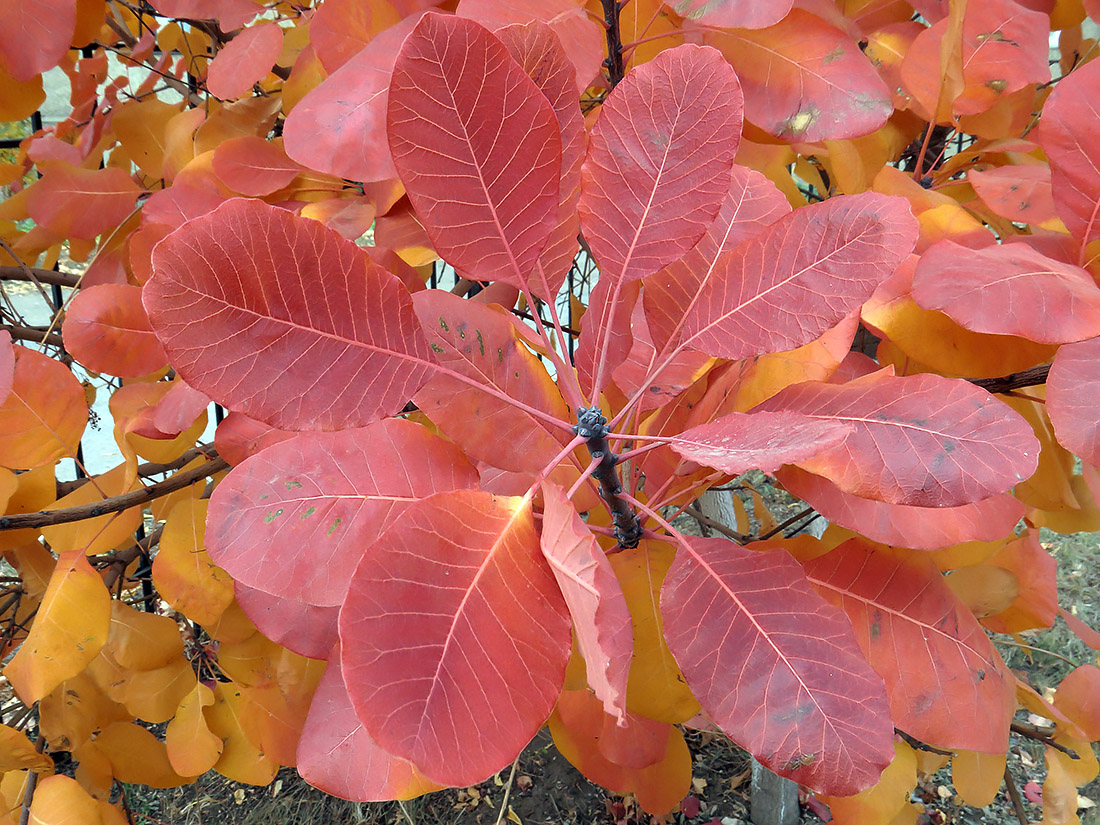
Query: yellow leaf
x,y
141,127
59,800
142,641
19,99
183,572
241,760
984,588
17,753
977,776
655,688
883,801
138,757
192,748
76,709
70,629
102,533
35,490
1059,792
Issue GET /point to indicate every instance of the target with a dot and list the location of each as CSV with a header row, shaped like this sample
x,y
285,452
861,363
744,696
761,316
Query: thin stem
x,y
630,46
572,383
699,516
32,782
917,172
1023,646
507,792
779,528
585,475
633,453
572,389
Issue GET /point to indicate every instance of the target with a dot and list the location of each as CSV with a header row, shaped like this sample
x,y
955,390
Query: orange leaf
x,y
241,760
81,203
59,800
106,329
69,630
1078,697
102,533
44,416
245,60
883,800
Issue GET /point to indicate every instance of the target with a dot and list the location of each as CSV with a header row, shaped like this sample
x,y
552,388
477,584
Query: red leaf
x,y
1036,604
580,35
337,755
7,364
230,14
947,685
1004,47
606,333
456,664
1081,630
1019,193
253,166
539,53
334,493
244,60
805,80
340,127
1034,792
239,437
733,14
601,618
106,329
751,203
35,35
690,806
656,383
1068,136
1073,395
482,344
659,161
775,666
178,409
1009,289
922,528
81,203
739,442
487,196
306,629
922,440
800,276
280,318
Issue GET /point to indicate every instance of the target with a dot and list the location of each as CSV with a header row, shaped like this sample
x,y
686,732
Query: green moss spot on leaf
x,y
270,517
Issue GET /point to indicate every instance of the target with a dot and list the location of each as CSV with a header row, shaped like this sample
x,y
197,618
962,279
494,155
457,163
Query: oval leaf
x,y
800,276
922,528
480,633
280,318
812,710
253,166
244,60
740,442
106,329
921,440
805,80
81,203
334,493
1009,289
1070,120
924,643
659,161
1073,397
601,618
478,148
44,414
337,755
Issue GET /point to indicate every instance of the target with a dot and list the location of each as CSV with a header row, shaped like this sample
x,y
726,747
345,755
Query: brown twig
x,y
148,469
1025,378
45,276
1042,734
114,504
39,336
1014,795
717,526
32,782
916,744
614,62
